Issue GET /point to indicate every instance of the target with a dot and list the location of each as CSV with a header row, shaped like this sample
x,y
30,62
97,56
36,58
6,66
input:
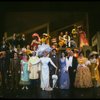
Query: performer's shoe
x,y
26,88
43,89
49,89
23,88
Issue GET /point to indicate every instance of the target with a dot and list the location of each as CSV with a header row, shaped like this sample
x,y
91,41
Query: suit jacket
x,y
74,63
55,60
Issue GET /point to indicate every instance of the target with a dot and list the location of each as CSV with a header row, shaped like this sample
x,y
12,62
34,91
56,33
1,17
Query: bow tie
x,y
54,56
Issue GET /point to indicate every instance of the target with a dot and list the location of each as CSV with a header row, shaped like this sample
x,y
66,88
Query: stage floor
x,y
56,93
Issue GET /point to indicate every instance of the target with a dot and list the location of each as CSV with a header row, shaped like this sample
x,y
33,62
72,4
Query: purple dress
x,y
64,81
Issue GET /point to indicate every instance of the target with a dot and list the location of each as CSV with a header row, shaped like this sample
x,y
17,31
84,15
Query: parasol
x,y
54,78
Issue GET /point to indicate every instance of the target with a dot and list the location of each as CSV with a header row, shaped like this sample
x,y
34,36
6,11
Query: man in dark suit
x,y
55,58
72,67
23,41
4,62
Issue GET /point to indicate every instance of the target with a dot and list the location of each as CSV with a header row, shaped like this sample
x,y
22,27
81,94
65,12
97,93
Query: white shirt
x,y
69,62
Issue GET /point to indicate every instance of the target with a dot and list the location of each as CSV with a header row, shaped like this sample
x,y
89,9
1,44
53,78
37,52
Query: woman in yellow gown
x,y
45,38
94,68
83,76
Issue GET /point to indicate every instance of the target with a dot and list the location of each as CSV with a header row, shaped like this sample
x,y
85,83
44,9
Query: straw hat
x,y
44,34
35,34
93,53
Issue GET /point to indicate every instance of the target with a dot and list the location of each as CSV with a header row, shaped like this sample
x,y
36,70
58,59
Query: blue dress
x,y
64,81
24,73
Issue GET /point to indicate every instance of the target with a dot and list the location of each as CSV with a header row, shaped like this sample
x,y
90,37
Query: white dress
x,y
45,72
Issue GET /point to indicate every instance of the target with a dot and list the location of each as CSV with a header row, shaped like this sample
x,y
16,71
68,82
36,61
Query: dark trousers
x,y
34,86
71,76
15,73
3,73
15,79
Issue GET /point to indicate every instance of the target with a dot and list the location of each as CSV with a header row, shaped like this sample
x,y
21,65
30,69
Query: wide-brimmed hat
x,y
79,26
93,53
45,34
35,34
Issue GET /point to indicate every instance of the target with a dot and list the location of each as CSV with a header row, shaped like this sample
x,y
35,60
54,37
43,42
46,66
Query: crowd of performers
x,y
75,38
40,65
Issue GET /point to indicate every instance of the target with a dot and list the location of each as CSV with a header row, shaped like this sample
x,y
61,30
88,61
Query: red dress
x,y
83,40
34,43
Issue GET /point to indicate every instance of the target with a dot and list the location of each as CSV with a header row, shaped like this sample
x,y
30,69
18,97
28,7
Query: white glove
x,y
74,70
95,69
21,72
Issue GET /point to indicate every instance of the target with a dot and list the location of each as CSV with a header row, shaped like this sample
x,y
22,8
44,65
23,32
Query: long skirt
x,y
83,78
